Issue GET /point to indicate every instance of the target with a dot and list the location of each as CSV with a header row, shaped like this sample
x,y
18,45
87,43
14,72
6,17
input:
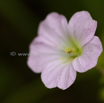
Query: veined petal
x,y
38,63
84,63
37,46
51,73
41,54
67,77
55,22
97,42
88,32
58,74
54,29
82,27
94,47
89,57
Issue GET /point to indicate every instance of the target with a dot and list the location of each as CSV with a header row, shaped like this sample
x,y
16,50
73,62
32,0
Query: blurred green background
x,y
19,20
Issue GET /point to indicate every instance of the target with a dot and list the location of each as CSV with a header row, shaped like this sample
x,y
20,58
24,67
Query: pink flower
x,y
51,51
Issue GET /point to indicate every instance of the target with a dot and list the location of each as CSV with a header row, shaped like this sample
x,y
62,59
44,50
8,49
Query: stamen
x,y
69,52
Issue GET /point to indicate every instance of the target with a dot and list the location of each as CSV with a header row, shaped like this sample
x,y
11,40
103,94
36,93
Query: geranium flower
x,y
51,51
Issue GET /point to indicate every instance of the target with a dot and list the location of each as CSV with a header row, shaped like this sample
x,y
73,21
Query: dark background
x,y
19,20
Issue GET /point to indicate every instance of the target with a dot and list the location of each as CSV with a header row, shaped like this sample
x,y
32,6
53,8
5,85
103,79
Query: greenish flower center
x,y
74,50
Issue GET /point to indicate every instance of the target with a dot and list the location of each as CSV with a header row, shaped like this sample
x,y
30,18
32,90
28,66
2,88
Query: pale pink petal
x,y
58,74
54,29
51,74
97,42
89,57
88,32
41,54
84,63
38,63
82,27
67,77
94,47
55,22
38,46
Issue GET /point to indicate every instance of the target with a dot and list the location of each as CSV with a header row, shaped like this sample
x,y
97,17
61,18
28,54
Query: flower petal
x,y
55,22
84,63
41,55
67,77
82,27
97,42
58,74
93,48
89,57
37,46
38,63
54,29
88,32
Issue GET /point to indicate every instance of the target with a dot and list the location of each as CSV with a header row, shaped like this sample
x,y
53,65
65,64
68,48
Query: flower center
x,y
73,51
